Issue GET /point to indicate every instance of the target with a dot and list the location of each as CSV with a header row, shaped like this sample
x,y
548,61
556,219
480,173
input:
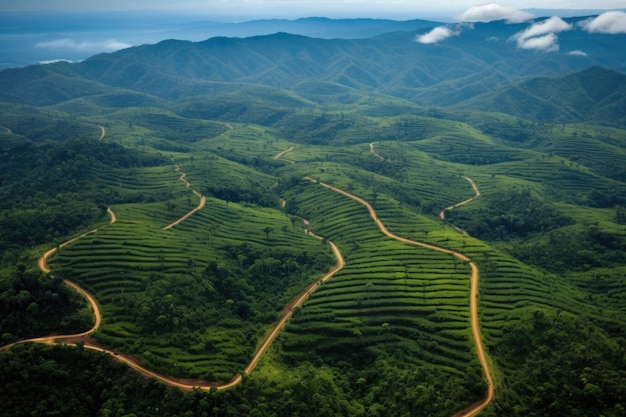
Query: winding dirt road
x,y
184,384
288,311
41,262
71,338
182,176
372,150
113,218
442,214
192,212
477,407
103,133
280,154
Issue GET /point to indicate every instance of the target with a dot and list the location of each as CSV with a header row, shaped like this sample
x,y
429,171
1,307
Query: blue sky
x,y
246,9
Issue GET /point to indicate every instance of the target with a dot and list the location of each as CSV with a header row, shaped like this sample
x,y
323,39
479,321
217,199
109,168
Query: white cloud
x,y
609,22
491,12
552,25
577,52
542,35
108,45
437,34
548,43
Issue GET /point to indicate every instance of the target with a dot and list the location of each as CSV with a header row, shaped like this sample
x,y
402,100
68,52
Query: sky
x,y
248,9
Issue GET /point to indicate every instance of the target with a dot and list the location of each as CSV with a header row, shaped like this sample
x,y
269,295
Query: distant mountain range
x,y
28,38
478,66
36,37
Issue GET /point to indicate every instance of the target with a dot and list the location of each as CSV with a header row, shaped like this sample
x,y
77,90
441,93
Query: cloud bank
x,y
542,35
491,12
108,45
54,61
612,23
436,35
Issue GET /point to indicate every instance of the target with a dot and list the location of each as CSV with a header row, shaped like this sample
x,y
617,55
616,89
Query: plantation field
x,y
392,299
388,292
146,279
197,300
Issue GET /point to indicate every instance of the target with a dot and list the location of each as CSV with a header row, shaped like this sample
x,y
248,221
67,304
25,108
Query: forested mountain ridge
x,y
595,94
40,30
394,64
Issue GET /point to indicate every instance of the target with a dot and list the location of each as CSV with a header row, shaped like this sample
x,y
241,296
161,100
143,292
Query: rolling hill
x,y
475,191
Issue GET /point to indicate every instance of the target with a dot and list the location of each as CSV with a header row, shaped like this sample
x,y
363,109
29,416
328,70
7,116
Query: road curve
x,y
43,266
200,206
477,407
103,133
181,383
376,154
192,212
281,154
442,214
113,218
182,176
42,261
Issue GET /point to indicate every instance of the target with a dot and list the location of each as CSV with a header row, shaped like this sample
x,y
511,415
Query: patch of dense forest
x,y
561,365
34,305
42,380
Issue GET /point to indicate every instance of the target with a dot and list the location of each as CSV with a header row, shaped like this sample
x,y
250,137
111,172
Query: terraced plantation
x,y
509,286
391,331
391,298
134,257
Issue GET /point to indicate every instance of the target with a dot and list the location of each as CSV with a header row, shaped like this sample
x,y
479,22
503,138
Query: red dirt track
x,y
189,384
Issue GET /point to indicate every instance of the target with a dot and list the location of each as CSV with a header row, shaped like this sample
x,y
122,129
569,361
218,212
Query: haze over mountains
x,y
31,37
28,38
478,66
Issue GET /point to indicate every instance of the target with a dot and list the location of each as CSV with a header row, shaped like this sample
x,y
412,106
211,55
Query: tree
x,y
267,231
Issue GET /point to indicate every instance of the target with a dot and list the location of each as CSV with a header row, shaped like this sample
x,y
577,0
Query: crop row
x,y
125,259
507,287
386,287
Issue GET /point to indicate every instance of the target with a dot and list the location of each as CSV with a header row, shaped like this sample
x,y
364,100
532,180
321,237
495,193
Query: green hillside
x,y
200,193
595,95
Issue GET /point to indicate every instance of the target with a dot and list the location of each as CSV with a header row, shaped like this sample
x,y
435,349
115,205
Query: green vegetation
x,y
390,333
195,300
551,354
34,304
